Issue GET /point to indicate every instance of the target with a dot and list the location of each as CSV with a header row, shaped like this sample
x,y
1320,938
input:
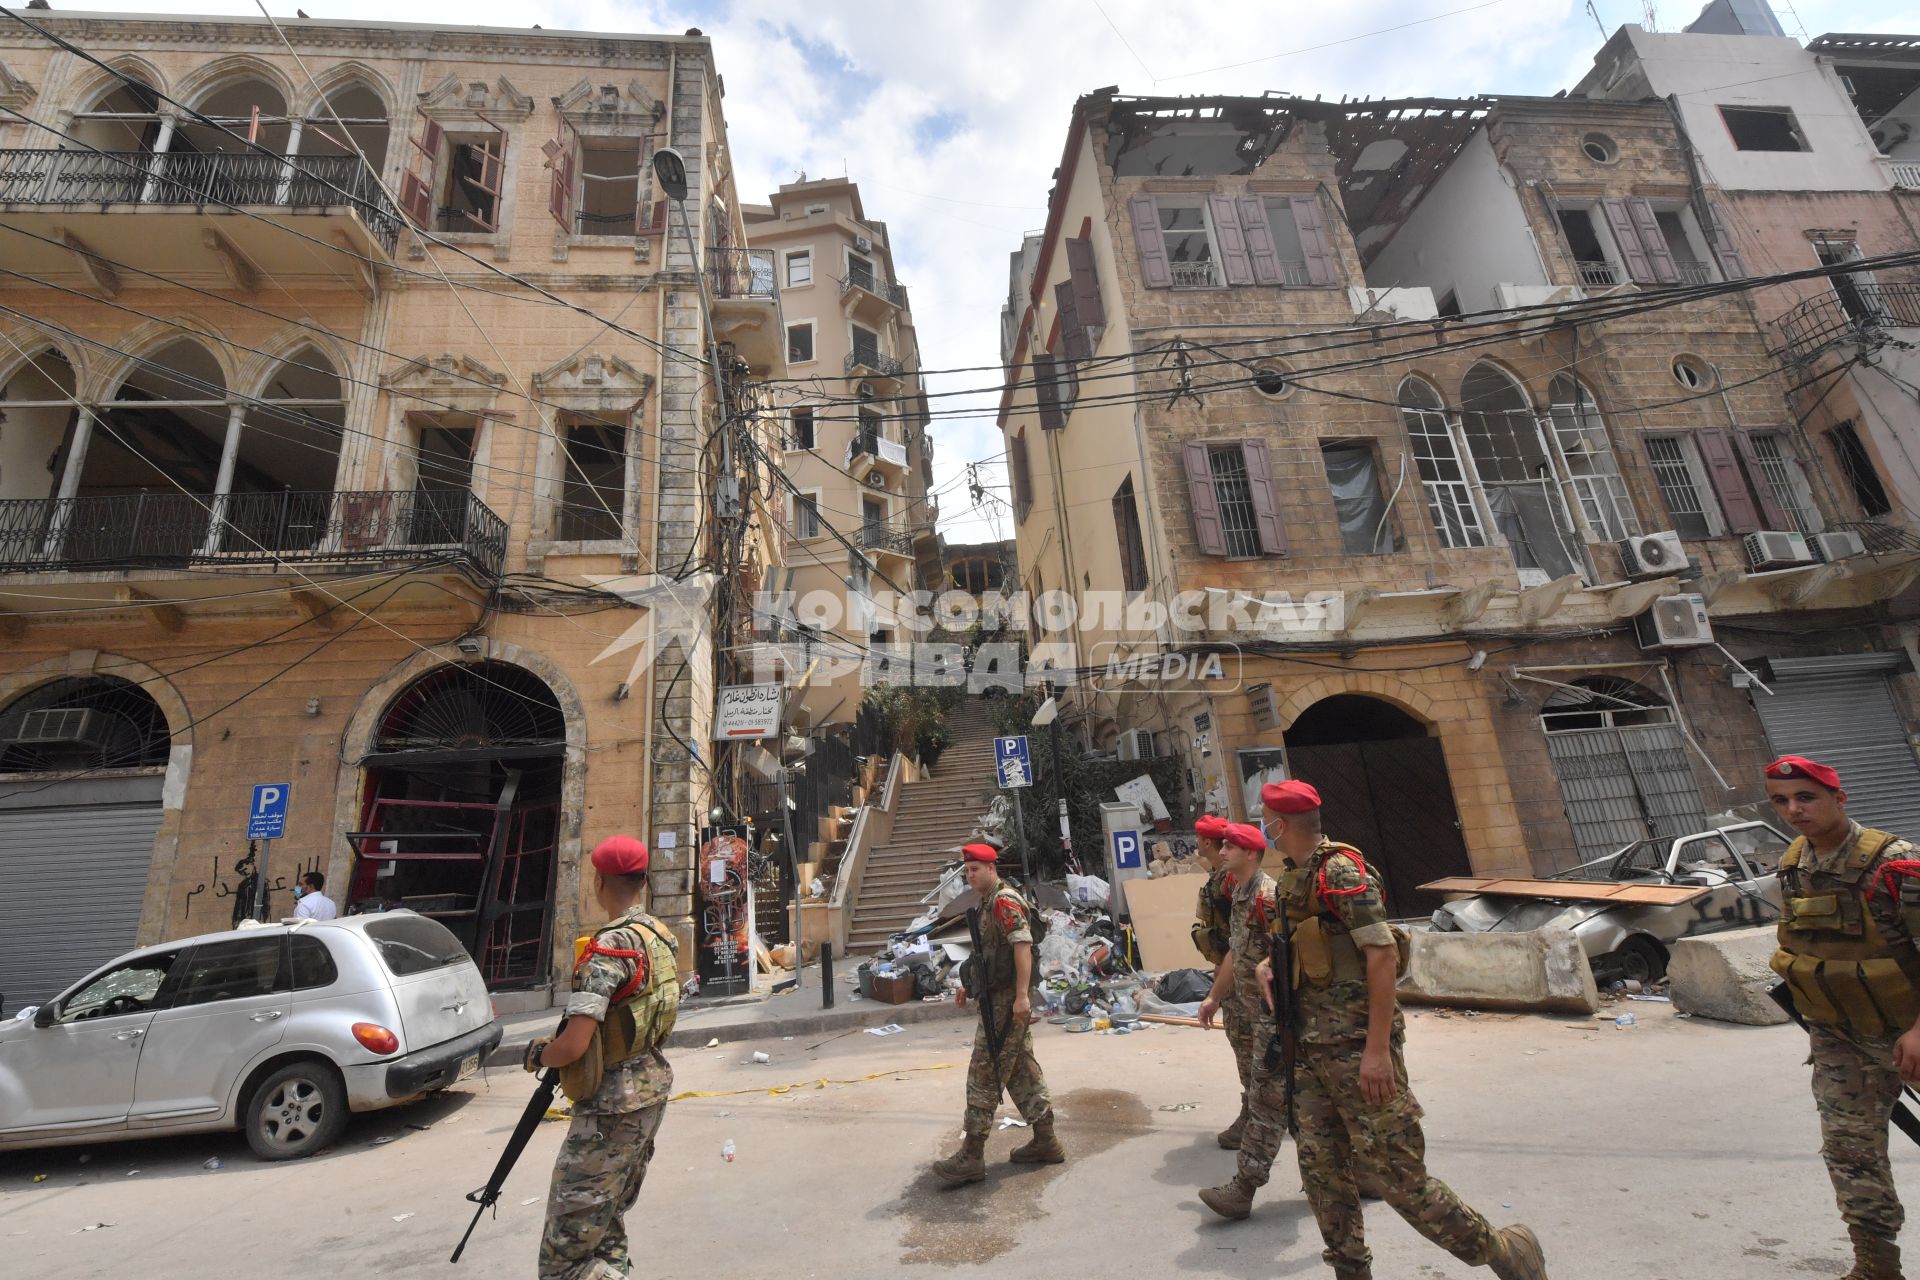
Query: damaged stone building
x,y
342,365
1449,428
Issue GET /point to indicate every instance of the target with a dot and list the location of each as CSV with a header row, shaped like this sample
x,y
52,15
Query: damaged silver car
x,y
1629,907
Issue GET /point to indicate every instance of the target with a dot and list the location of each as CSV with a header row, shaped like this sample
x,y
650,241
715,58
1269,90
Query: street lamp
x,y
1048,718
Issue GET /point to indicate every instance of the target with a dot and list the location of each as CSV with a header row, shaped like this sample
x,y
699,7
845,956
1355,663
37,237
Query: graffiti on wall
x,y
243,884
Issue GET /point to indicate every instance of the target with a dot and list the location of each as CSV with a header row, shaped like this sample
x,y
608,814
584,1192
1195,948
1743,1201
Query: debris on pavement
x,y
402,1217
727,1150
214,1163
713,1043
892,1028
761,1057
94,1226
1008,1122
1181,1106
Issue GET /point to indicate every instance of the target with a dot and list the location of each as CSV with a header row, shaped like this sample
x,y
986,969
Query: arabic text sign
x,y
747,712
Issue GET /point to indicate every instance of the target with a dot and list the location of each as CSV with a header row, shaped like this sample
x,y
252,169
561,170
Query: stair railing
x,y
868,821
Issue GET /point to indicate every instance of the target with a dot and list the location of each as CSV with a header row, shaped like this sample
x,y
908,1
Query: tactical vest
x,y
1835,960
1323,951
1211,920
640,1016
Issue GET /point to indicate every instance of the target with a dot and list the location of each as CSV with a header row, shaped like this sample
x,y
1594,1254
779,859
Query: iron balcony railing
x,y
879,535
1693,273
1598,274
1850,310
40,176
1193,275
740,273
175,530
886,291
876,361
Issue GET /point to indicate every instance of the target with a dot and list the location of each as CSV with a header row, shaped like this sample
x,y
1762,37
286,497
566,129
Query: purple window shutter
x,y
1266,511
1086,284
1073,337
1770,509
1726,250
1260,246
1313,238
1155,270
1046,390
1729,485
1233,244
1653,241
1022,479
1207,527
1627,240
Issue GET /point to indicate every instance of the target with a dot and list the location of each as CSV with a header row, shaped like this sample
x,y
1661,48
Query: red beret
x,y
1801,767
1246,835
979,853
1291,796
1210,827
620,856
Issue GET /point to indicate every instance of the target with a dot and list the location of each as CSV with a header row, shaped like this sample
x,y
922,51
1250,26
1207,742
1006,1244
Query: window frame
x,y
565,423
1134,571
798,257
811,498
1289,277
282,977
1688,460
447,180
1782,472
1601,500
1216,272
1798,134
813,341
1857,480
794,416
1370,447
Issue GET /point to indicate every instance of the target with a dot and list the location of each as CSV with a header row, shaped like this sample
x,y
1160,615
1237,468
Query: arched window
x,y
1443,473
1517,475
37,403
282,482
364,116
83,722
1591,469
123,119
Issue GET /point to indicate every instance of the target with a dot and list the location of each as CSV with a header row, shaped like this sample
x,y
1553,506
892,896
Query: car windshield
x,y
1760,846
414,944
1641,858
134,984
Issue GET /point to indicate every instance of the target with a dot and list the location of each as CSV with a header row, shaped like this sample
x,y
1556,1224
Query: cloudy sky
x,y
951,116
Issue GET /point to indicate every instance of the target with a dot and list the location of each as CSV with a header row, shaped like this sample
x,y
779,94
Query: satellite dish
x,y
671,171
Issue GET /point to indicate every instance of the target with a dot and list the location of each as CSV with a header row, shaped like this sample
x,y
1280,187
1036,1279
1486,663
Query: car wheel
x,y
296,1111
1641,959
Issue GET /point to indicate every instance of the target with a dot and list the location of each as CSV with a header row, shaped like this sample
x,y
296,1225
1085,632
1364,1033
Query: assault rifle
x,y
1905,1118
486,1197
1283,1051
973,977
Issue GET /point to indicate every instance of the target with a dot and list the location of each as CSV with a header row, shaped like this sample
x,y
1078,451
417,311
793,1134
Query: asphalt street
x,y
1671,1150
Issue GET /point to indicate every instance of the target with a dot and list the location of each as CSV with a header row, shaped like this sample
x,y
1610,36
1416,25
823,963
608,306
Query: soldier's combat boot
x,y
1232,1199
969,1164
1042,1148
1874,1257
1229,1137
1516,1255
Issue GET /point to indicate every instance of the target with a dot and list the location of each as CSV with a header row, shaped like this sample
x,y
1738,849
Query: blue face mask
x,y
299,891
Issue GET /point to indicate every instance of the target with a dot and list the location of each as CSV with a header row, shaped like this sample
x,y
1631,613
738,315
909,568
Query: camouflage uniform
x,y
1213,938
1340,1133
1003,922
1255,909
603,1159
1855,1085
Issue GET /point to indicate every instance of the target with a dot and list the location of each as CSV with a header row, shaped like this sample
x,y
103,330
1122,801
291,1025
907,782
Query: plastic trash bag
x,y
1088,890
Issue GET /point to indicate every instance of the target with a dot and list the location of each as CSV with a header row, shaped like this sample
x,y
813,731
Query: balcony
x,y
872,361
171,530
1195,275
1598,275
886,538
192,212
746,306
871,448
864,296
1905,174
1849,312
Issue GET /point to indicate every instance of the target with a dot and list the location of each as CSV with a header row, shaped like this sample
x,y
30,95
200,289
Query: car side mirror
x,y
44,1015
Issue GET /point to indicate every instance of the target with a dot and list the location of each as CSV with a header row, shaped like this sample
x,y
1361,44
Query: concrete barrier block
x,y
1724,976
1544,970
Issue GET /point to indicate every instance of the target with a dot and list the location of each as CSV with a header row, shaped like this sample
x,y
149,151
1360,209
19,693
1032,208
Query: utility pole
x,y
1048,717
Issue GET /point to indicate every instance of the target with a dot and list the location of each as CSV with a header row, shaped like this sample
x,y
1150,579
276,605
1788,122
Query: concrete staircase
x,y
931,818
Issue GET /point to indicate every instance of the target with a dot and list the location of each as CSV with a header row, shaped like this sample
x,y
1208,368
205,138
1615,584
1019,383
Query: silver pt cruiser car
x,y
278,1029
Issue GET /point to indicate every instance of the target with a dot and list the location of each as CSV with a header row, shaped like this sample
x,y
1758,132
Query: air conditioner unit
x,y
1653,555
62,727
1777,549
863,244
1674,622
866,391
1837,545
1136,744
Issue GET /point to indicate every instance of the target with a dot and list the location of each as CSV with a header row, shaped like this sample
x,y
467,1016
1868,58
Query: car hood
x,y
1490,913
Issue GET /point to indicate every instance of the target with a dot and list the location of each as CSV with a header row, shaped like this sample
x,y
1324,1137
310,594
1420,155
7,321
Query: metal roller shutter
x,y
1616,783
1846,717
72,877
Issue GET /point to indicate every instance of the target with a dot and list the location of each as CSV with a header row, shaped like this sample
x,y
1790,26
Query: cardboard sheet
x,y
1163,921
1632,894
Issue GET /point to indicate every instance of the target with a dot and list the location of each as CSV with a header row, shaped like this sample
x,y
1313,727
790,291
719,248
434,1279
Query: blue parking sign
x,y
1010,759
267,815
1126,851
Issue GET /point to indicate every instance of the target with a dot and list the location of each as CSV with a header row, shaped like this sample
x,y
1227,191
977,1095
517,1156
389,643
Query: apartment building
x,y
852,419
1404,453
357,401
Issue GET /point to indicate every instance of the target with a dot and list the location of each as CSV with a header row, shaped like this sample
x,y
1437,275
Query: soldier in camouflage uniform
x,y
1352,1103
626,967
1004,971
1850,918
1236,989
1212,917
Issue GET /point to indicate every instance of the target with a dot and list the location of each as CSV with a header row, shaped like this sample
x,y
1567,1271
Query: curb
x,y
857,1016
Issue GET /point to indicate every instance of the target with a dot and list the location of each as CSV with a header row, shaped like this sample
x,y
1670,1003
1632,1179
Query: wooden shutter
x,y
1627,240
1046,390
1266,508
1313,238
640,188
1155,270
1087,303
656,222
1726,251
1022,476
416,189
1260,246
1073,337
489,181
1233,243
562,158
1729,485
1770,509
1653,241
1208,530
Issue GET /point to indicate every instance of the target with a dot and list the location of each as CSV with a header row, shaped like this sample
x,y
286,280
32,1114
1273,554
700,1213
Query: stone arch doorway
x,y
1384,787
460,812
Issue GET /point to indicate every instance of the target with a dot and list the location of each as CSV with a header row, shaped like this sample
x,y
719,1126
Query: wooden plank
x,y
1637,894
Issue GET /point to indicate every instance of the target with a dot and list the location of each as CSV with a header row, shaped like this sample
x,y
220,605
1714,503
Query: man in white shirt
x,y
313,904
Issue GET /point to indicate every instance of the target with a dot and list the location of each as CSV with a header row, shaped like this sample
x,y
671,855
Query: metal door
x,y
1845,716
229,1009
1624,784
74,860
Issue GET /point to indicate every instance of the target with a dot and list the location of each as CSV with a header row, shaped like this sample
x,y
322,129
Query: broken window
x,y
1857,467
1683,484
1183,230
1781,472
37,419
1679,242
443,458
806,515
799,268
1855,289
1286,240
1443,473
609,185
1230,487
866,347
800,434
470,198
1764,129
1517,475
1588,454
800,342
593,492
1199,143
1126,527
1353,476
1621,761
360,111
1589,255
